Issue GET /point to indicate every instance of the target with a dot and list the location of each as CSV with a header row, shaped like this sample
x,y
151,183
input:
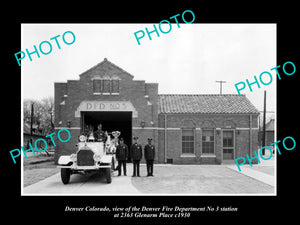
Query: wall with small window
x,y
188,141
106,85
205,139
208,141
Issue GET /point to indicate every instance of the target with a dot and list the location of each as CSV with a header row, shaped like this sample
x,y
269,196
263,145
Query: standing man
x,y
136,155
149,152
121,155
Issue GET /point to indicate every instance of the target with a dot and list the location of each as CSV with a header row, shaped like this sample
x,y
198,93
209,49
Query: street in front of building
x,y
169,179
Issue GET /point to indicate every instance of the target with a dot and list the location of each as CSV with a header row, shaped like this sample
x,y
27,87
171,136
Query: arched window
x,y
97,85
115,84
106,84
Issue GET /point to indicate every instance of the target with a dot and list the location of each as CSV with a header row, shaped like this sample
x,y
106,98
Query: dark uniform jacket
x,y
100,134
149,152
136,152
122,152
87,132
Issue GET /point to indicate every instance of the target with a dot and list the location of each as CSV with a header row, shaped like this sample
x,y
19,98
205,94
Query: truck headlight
x,y
73,157
82,138
97,157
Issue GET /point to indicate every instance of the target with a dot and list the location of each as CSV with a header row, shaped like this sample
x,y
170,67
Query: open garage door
x,y
111,121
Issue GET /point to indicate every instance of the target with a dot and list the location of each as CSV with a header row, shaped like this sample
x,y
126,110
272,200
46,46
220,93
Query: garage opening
x,y
111,121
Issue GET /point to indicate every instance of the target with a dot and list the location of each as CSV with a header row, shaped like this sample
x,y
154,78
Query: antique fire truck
x,y
91,155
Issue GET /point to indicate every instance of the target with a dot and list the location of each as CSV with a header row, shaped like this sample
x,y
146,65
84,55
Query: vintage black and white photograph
x,y
143,109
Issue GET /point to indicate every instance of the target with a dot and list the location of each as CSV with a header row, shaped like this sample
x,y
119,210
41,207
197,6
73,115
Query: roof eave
x,y
198,113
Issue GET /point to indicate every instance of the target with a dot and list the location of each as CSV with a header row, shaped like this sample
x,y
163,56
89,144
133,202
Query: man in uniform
x,y
121,155
149,152
136,155
87,131
100,134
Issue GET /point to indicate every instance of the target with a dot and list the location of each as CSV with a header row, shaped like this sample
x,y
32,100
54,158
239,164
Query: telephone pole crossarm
x,y
221,82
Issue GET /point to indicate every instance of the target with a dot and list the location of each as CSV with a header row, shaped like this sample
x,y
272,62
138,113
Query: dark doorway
x,y
111,121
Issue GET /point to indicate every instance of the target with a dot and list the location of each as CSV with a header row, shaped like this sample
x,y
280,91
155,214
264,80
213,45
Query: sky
x,y
187,60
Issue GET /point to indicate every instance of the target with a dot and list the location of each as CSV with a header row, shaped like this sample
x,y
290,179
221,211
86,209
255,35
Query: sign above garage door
x,y
106,106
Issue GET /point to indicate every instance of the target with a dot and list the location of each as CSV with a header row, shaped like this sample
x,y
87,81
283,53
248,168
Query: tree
x,y
47,117
43,116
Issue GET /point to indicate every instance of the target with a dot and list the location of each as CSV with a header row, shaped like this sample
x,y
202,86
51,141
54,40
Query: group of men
x,y
122,152
98,135
136,156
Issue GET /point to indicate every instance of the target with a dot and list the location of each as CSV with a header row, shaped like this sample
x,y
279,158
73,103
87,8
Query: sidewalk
x,y
264,171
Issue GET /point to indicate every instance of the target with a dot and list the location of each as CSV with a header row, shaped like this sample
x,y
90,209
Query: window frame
x,y
96,92
113,92
214,141
108,85
193,145
104,80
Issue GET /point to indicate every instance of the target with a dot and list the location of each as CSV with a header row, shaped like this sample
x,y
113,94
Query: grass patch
x,y
37,168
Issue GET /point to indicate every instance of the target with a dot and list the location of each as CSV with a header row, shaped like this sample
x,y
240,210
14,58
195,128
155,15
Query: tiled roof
x,y
206,104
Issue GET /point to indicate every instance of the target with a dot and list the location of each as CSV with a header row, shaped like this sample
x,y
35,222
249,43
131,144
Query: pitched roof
x,y
26,128
103,62
206,104
270,125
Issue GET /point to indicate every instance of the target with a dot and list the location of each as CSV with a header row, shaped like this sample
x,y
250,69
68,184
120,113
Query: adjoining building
x,y
197,129
269,135
31,137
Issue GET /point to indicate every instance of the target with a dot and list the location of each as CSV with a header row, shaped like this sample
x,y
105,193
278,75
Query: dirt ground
x,y
37,168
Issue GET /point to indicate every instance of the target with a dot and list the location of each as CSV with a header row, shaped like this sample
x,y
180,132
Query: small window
x,y
228,139
208,142
170,161
115,86
106,86
97,86
188,141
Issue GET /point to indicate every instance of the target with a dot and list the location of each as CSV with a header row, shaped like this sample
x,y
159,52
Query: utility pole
x,y
221,82
31,122
264,124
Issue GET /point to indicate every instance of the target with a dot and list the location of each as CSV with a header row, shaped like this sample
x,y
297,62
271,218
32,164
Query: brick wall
x,y
175,122
143,96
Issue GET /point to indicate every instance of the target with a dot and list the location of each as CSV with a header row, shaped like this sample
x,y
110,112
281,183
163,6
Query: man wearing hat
x,y
87,131
136,155
149,152
121,155
100,134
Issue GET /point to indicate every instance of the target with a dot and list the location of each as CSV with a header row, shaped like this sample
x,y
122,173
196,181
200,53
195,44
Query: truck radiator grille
x,y
85,158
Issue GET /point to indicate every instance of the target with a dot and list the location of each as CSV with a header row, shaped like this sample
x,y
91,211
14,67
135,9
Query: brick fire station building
x,y
196,129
